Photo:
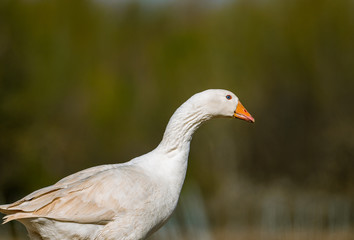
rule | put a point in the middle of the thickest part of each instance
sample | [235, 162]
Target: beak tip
[251, 120]
[243, 114]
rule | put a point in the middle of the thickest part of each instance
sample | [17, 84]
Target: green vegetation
[84, 83]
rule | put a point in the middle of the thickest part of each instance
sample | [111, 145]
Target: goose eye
[228, 97]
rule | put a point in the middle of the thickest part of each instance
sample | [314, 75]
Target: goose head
[212, 103]
[220, 103]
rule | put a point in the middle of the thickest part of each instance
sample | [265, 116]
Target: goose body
[127, 201]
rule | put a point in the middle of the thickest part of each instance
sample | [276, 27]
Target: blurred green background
[84, 83]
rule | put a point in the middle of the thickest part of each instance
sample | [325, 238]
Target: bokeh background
[84, 83]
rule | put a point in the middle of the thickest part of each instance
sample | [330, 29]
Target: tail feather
[3, 209]
[16, 216]
[25, 207]
[10, 213]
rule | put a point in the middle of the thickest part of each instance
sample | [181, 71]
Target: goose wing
[89, 196]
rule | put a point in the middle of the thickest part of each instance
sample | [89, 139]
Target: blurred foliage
[84, 83]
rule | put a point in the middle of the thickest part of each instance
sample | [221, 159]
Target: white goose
[124, 201]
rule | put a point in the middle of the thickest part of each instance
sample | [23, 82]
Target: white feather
[122, 201]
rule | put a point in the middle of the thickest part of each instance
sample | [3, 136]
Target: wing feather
[89, 196]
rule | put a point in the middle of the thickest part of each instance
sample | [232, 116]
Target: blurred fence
[279, 215]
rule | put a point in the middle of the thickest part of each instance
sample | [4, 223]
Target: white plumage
[124, 201]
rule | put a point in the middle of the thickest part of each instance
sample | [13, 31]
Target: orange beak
[243, 114]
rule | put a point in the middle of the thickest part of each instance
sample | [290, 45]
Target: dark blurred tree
[84, 83]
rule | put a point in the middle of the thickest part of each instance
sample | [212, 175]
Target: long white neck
[183, 123]
[170, 159]
[174, 147]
